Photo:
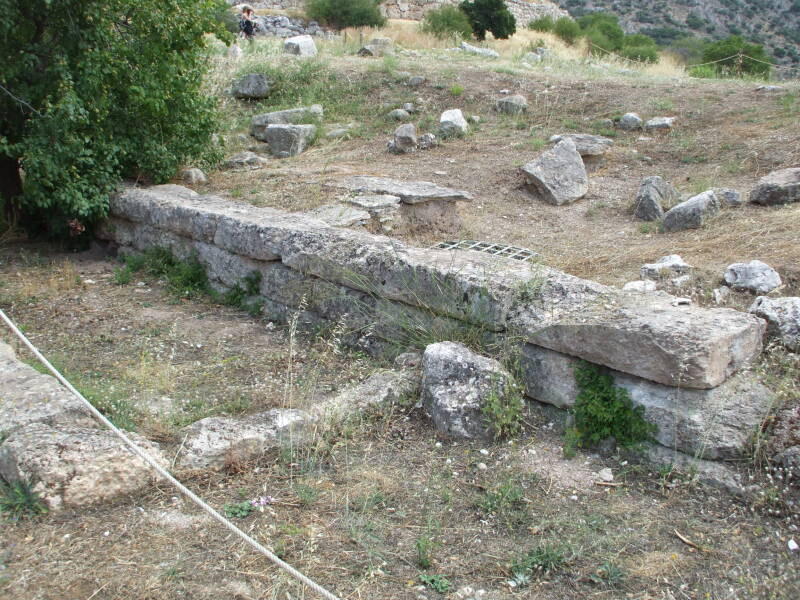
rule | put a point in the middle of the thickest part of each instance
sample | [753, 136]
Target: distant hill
[773, 23]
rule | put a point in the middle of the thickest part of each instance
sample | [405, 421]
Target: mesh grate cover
[489, 248]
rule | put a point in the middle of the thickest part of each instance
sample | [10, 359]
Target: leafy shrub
[545, 23]
[568, 30]
[346, 13]
[447, 21]
[602, 410]
[490, 15]
[702, 72]
[605, 24]
[102, 89]
[648, 54]
[238, 510]
[737, 57]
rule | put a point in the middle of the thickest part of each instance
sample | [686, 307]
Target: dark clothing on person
[247, 27]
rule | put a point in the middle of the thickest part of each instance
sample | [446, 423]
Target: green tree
[447, 21]
[568, 30]
[346, 13]
[736, 56]
[95, 90]
[490, 15]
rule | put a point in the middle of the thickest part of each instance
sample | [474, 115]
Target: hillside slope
[774, 23]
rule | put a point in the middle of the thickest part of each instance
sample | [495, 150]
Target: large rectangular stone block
[713, 424]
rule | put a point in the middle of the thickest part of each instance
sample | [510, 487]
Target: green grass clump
[438, 583]
[603, 410]
[540, 560]
[19, 501]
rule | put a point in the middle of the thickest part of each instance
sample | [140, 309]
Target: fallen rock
[716, 423]
[405, 140]
[453, 123]
[512, 105]
[659, 124]
[254, 86]
[339, 215]
[76, 467]
[193, 176]
[300, 45]
[216, 442]
[379, 389]
[259, 123]
[789, 459]
[416, 80]
[558, 175]
[654, 193]
[728, 197]
[428, 141]
[289, 140]
[783, 319]
[769, 88]
[585, 143]
[383, 209]
[665, 267]
[721, 294]
[779, 187]
[27, 396]
[410, 192]
[645, 285]
[246, 160]
[484, 52]
[754, 276]
[376, 47]
[456, 384]
[692, 213]
[399, 114]
[630, 121]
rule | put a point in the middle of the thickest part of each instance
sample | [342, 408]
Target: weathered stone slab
[288, 140]
[783, 319]
[478, 51]
[653, 195]
[692, 213]
[586, 144]
[213, 442]
[27, 396]
[755, 276]
[410, 192]
[717, 423]
[300, 45]
[340, 215]
[779, 187]
[456, 385]
[558, 175]
[291, 116]
[75, 467]
[253, 86]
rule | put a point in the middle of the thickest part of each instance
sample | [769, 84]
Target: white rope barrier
[163, 472]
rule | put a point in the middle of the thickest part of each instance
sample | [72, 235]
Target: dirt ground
[381, 507]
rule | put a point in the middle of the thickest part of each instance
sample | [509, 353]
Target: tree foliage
[96, 90]
[346, 13]
[490, 15]
[447, 21]
[736, 56]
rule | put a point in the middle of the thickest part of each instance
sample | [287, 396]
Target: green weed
[540, 560]
[424, 546]
[19, 501]
[502, 410]
[238, 510]
[456, 90]
[438, 583]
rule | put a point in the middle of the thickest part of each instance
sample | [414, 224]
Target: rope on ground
[163, 472]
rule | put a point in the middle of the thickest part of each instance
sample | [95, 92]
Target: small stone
[428, 141]
[682, 302]
[246, 160]
[253, 86]
[300, 45]
[482, 466]
[416, 81]
[783, 319]
[754, 276]
[721, 294]
[681, 281]
[606, 475]
[452, 123]
[640, 286]
[484, 52]
[405, 139]
[630, 121]
[399, 114]
[692, 213]
[793, 547]
[409, 107]
[654, 193]
[659, 124]
[512, 105]
[475, 120]
[779, 187]
[728, 197]
[194, 176]
[665, 266]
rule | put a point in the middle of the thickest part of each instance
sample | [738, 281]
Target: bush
[598, 42]
[703, 72]
[568, 30]
[646, 54]
[102, 89]
[737, 57]
[346, 13]
[447, 21]
[490, 15]
[544, 23]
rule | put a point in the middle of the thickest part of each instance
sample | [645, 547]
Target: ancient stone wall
[524, 10]
[682, 363]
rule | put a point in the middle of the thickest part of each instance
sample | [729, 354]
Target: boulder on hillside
[783, 319]
[654, 193]
[246, 160]
[512, 105]
[289, 140]
[300, 45]
[755, 276]
[692, 213]
[659, 124]
[259, 123]
[399, 114]
[779, 187]
[558, 175]
[665, 267]
[630, 121]
[452, 123]
[457, 384]
[405, 139]
[728, 197]
[193, 176]
[586, 144]
[416, 80]
[253, 86]
[76, 467]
